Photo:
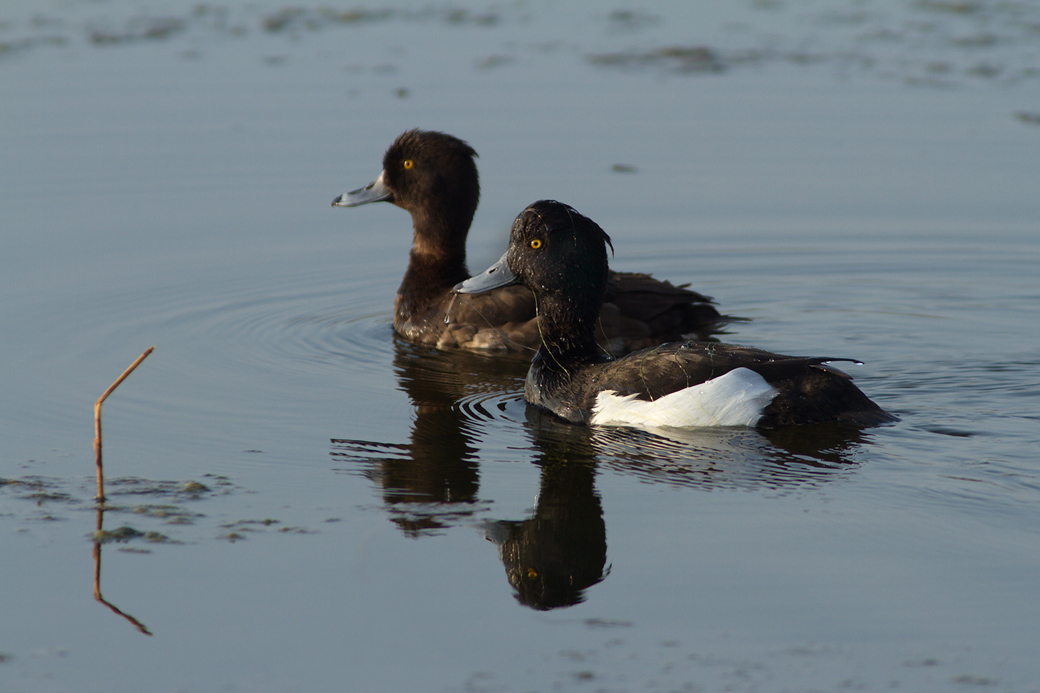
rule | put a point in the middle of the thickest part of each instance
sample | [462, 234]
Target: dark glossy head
[554, 251]
[424, 171]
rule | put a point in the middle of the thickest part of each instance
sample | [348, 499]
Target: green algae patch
[127, 533]
[119, 534]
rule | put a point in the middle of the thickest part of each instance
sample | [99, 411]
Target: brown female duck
[433, 176]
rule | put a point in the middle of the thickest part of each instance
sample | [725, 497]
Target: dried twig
[97, 422]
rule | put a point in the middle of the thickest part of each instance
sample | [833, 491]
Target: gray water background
[858, 179]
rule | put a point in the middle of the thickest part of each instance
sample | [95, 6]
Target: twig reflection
[97, 577]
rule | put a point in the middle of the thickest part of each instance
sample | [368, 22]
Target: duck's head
[423, 171]
[554, 251]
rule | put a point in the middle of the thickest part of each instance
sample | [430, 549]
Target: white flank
[734, 399]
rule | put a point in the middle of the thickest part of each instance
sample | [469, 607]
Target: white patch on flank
[734, 399]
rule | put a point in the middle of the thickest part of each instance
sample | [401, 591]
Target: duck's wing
[809, 390]
[651, 311]
[655, 372]
[504, 319]
[634, 288]
[500, 320]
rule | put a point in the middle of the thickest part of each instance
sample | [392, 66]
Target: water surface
[375, 516]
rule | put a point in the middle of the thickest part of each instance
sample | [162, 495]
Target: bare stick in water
[97, 422]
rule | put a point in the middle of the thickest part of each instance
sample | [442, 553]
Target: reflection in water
[554, 556]
[432, 481]
[716, 458]
[551, 558]
[97, 574]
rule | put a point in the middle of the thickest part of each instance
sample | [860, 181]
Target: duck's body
[561, 256]
[685, 384]
[433, 176]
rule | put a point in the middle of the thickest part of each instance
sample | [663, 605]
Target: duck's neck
[437, 260]
[568, 334]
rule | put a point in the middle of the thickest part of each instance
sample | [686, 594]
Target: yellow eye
[536, 244]
[408, 163]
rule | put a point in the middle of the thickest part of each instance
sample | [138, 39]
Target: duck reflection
[718, 458]
[553, 557]
[432, 481]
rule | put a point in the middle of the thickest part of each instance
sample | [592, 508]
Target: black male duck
[433, 176]
[561, 256]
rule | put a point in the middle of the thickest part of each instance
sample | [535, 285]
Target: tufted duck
[561, 256]
[432, 175]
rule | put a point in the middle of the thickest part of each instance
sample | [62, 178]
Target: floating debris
[297, 19]
[630, 20]
[170, 507]
[195, 487]
[129, 485]
[460, 16]
[120, 534]
[976, 39]
[171, 514]
[493, 61]
[139, 29]
[245, 523]
[680, 58]
[125, 534]
[948, 6]
[258, 526]
[41, 496]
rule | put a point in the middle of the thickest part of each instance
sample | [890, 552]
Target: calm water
[858, 180]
